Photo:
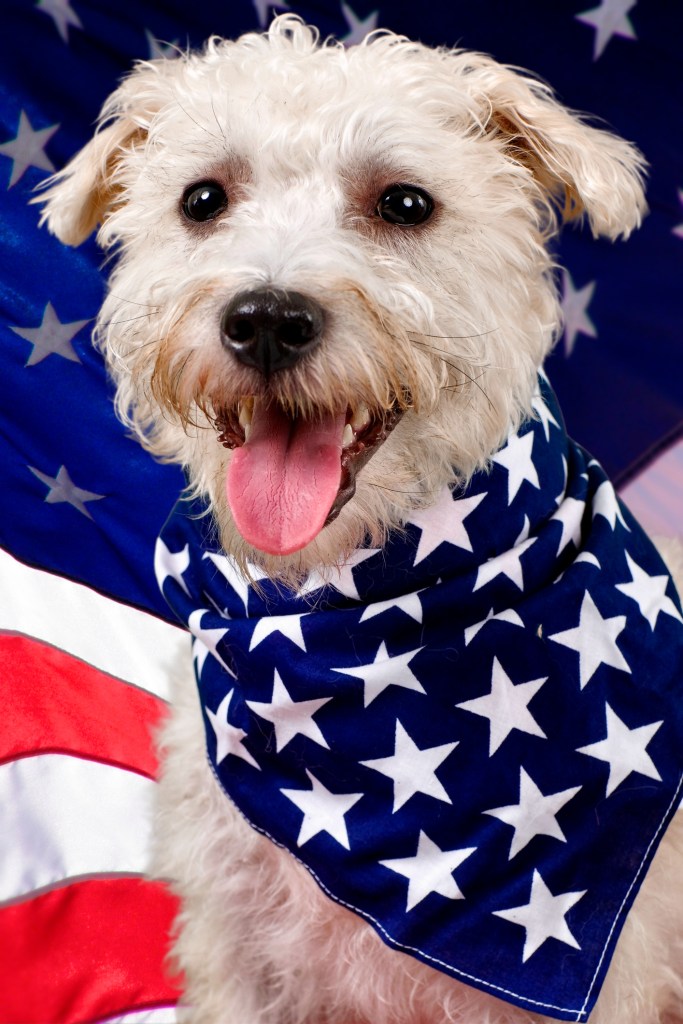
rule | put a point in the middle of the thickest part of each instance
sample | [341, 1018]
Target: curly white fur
[452, 319]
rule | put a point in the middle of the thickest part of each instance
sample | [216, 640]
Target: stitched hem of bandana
[490, 988]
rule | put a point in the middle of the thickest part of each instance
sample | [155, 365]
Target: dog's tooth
[246, 409]
[360, 418]
[247, 431]
[348, 437]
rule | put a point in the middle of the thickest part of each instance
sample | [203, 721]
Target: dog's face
[333, 291]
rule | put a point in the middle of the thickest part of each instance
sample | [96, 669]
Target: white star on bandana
[229, 739]
[444, 523]
[385, 671]
[606, 503]
[509, 564]
[323, 811]
[515, 457]
[624, 750]
[206, 640]
[413, 768]
[429, 871]
[287, 625]
[534, 815]
[649, 593]
[506, 706]
[543, 917]
[595, 640]
[171, 563]
[288, 717]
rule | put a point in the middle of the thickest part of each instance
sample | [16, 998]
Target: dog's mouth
[290, 474]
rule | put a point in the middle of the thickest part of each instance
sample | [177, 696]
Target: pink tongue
[282, 483]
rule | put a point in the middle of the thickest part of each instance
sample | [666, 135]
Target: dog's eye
[405, 205]
[204, 201]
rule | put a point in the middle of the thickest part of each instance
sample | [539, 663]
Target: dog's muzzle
[271, 329]
[292, 470]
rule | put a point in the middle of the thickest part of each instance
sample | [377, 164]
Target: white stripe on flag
[127, 643]
[161, 1015]
[67, 817]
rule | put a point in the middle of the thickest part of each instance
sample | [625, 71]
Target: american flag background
[85, 636]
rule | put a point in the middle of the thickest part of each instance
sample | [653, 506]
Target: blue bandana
[473, 738]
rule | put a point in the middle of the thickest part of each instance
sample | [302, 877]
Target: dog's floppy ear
[584, 170]
[77, 198]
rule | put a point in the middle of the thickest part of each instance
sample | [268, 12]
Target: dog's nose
[270, 328]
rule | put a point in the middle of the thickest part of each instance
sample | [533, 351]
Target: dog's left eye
[204, 201]
[405, 205]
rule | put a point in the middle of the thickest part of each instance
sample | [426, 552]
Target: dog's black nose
[270, 328]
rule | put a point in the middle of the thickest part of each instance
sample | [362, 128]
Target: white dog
[332, 298]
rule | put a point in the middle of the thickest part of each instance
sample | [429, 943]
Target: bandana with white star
[473, 738]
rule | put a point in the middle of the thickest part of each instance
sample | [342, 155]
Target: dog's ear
[582, 169]
[77, 198]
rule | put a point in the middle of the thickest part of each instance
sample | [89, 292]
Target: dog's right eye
[204, 201]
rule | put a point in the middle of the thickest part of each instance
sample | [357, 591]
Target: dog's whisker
[130, 319]
[451, 337]
[202, 127]
[397, 490]
[218, 123]
[443, 356]
[134, 302]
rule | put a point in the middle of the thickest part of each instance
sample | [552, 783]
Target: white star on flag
[444, 523]
[575, 303]
[229, 739]
[594, 640]
[429, 871]
[412, 768]
[507, 615]
[544, 414]
[206, 640]
[609, 19]
[508, 564]
[63, 489]
[62, 14]
[264, 8]
[534, 815]
[26, 149]
[543, 917]
[649, 593]
[171, 563]
[385, 671]
[506, 707]
[408, 603]
[606, 503]
[52, 337]
[288, 717]
[624, 750]
[287, 625]
[323, 811]
[678, 230]
[358, 27]
[515, 457]
[160, 50]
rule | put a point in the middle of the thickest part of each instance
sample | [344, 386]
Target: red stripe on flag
[84, 952]
[55, 703]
